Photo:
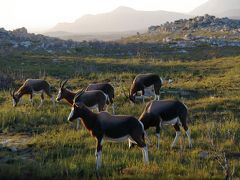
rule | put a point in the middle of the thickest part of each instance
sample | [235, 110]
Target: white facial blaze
[59, 94]
[71, 114]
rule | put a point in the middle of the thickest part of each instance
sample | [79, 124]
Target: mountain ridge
[121, 19]
[217, 7]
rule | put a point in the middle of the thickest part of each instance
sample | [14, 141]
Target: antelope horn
[60, 84]
[79, 93]
[12, 93]
[63, 84]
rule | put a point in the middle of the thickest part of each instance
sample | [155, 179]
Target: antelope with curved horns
[94, 99]
[107, 89]
[166, 112]
[104, 126]
[30, 86]
[143, 82]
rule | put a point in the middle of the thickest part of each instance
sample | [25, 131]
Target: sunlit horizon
[41, 15]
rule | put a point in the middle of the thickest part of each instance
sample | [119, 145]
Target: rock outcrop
[207, 22]
[20, 39]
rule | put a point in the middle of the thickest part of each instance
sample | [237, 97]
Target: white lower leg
[129, 143]
[158, 97]
[53, 101]
[145, 155]
[188, 132]
[132, 104]
[155, 97]
[106, 109]
[178, 133]
[158, 140]
[98, 159]
[40, 105]
[31, 101]
[146, 137]
[113, 108]
[78, 124]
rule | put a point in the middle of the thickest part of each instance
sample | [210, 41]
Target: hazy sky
[38, 15]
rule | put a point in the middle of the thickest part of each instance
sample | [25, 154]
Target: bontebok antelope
[107, 89]
[164, 112]
[104, 126]
[94, 99]
[30, 87]
[146, 82]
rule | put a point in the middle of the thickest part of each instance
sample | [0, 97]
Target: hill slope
[121, 19]
[227, 8]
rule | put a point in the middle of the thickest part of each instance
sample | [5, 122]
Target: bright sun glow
[39, 15]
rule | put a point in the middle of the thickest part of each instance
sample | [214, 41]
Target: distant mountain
[121, 19]
[221, 8]
[233, 13]
[107, 36]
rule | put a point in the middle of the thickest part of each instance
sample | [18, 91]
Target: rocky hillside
[207, 22]
[20, 39]
[193, 32]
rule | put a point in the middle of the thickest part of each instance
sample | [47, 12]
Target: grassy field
[158, 37]
[43, 145]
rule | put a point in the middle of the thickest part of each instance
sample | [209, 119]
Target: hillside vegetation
[51, 148]
[202, 29]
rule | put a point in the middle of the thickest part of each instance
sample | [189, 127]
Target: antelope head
[15, 98]
[75, 107]
[132, 97]
[61, 90]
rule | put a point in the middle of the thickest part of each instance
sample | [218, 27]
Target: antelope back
[92, 98]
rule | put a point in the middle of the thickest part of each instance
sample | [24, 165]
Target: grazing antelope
[104, 126]
[94, 99]
[107, 89]
[144, 82]
[166, 112]
[31, 86]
